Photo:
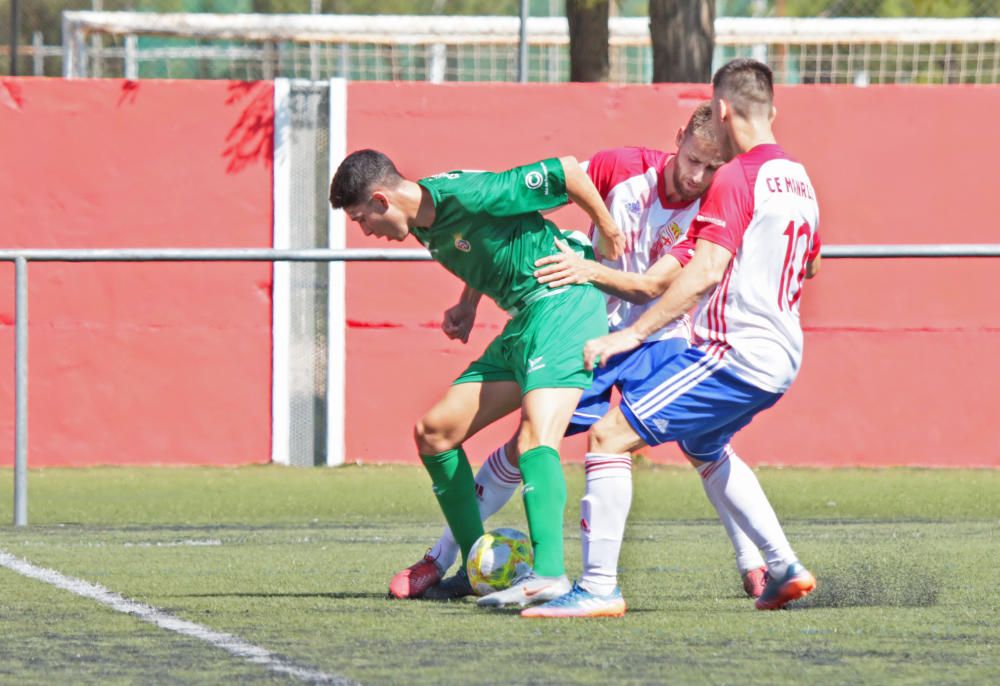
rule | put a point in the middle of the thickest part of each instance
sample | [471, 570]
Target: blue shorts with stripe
[694, 400]
[636, 365]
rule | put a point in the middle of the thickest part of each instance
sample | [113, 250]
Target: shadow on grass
[333, 596]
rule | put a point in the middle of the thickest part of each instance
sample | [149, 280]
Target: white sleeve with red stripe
[726, 210]
[608, 168]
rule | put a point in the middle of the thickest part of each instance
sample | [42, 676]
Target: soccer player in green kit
[487, 229]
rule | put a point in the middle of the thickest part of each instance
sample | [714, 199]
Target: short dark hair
[746, 84]
[358, 174]
[700, 122]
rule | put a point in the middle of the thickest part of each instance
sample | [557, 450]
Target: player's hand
[563, 269]
[610, 242]
[458, 321]
[598, 351]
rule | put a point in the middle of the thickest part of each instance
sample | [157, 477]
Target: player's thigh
[595, 401]
[545, 414]
[547, 357]
[463, 411]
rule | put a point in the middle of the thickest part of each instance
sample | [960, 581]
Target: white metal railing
[417, 29]
[21, 258]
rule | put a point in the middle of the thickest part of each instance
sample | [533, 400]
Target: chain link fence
[885, 59]
[859, 51]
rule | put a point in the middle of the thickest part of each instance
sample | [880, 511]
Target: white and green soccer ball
[497, 558]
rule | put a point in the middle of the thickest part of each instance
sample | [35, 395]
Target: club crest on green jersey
[462, 244]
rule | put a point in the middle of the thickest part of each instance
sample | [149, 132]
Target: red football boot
[413, 581]
[754, 582]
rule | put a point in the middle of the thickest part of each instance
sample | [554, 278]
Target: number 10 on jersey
[793, 272]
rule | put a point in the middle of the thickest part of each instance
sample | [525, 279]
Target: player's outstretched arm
[458, 319]
[581, 190]
[568, 267]
[702, 273]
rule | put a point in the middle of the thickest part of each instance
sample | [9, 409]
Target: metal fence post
[21, 392]
[38, 53]
[522, 44]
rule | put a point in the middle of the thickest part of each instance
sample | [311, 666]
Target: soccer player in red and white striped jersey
[753, 243]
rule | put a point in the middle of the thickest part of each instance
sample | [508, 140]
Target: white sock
[733, 485]
[747, 555]
[603, 512]
[496, 482]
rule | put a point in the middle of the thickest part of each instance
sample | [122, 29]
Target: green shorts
[542, 346]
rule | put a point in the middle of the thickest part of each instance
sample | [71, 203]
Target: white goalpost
[308, 299]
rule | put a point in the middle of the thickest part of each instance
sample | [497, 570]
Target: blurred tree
[588, 39]
[683, 38]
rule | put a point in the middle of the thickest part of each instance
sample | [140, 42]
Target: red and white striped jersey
[633, 184]
[762, 208]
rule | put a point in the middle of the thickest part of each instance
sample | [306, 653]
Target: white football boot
[528, 590]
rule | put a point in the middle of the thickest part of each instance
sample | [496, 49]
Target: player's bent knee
[433, 437]
[613, 434]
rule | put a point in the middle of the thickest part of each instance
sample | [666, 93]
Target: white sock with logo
[747, 555]
[603, 512]
[732, 485]
[496, 482]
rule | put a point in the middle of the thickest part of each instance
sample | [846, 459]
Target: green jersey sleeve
[522, 190]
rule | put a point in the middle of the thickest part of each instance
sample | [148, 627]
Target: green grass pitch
[297, 561]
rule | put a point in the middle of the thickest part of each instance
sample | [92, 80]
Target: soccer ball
[497, 558]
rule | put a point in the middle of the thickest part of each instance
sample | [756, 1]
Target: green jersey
[488, 230]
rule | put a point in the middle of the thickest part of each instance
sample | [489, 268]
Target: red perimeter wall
[138, 363]
[170, 363]
[898, 366]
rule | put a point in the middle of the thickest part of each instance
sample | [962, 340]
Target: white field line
[128, 544]
[228, 642]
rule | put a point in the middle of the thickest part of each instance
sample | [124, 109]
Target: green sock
[544, 502]
[455, 489]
